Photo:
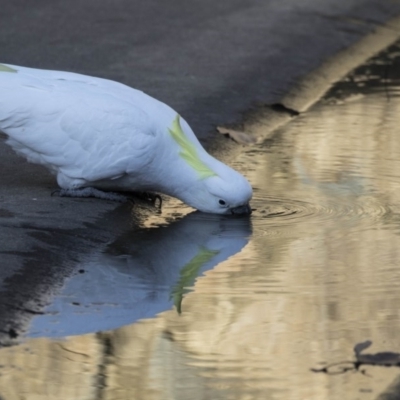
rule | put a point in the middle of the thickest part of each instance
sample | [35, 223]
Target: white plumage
[92, 132]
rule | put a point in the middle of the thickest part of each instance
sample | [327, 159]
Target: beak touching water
[241, 210]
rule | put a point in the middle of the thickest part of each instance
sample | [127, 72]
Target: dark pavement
[209, 60]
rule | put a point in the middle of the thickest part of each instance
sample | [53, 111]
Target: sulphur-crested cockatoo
[98, 135]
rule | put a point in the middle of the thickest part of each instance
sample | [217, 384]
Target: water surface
[191, 306]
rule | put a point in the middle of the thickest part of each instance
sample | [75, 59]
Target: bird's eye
[222, 202]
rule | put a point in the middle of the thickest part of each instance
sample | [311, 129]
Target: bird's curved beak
[240, 210]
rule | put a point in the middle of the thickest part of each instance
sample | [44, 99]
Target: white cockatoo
[98, 135]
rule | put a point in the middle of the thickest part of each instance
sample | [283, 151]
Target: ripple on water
[272, 211]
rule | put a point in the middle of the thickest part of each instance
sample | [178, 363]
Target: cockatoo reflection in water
[98, 135]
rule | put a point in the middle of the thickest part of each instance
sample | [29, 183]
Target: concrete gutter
[260, 123]
[211, 61]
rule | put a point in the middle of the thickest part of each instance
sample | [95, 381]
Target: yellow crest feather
[188, 150]
[4, 68]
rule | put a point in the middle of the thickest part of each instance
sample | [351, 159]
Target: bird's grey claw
[159, 198]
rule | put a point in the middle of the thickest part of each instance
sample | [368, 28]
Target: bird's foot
[91, 192]
[153, 198]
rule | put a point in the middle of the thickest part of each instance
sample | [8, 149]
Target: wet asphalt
[209, 60]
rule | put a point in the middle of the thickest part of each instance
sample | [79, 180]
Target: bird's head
[207, 184]
[227, 192]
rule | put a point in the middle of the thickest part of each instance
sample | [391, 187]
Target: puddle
[195, 306]
[144, 272]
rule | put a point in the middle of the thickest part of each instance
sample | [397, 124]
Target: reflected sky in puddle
[313, 273]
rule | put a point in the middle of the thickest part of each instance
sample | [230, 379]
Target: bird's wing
[112, 139]
[84, 127]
